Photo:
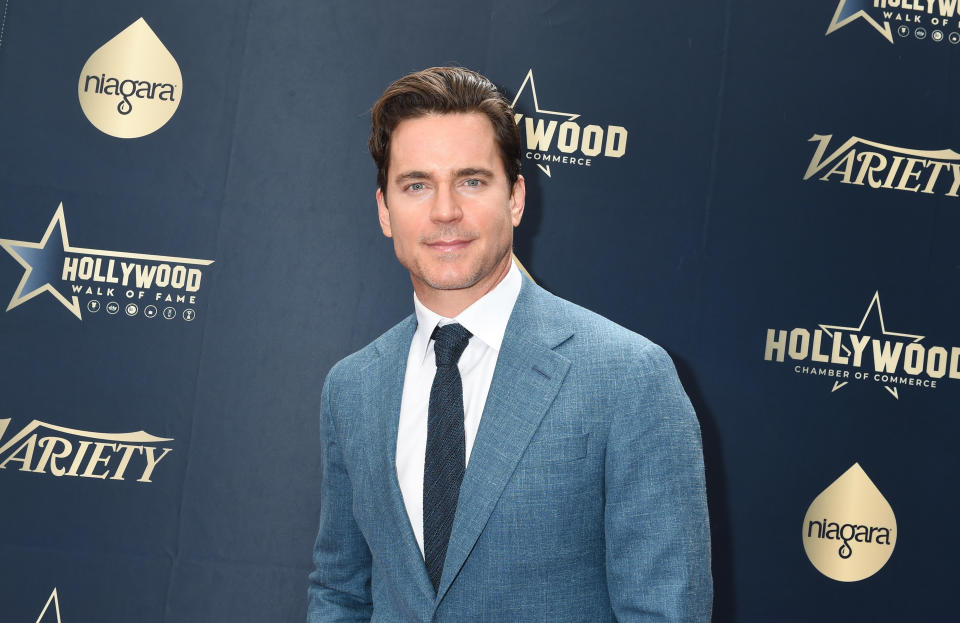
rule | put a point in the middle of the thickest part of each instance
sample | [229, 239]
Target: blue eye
[416, 186]
[473, 182]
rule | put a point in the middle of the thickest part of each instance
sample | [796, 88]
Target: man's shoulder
[394, 338]
[612, 361]
[596, 337]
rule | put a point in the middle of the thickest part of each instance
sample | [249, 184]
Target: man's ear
[384, 214]
[518, 196]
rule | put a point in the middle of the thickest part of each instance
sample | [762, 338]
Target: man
[500, 455]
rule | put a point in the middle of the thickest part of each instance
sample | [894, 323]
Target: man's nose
[446, 206]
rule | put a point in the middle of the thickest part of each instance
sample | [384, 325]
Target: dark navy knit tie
[445, 457]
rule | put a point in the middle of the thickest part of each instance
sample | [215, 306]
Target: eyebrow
[473, 172]
[423, 175]
[413, 175]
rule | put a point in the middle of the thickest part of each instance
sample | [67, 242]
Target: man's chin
[447, 279]
[451, 283]
[457, 277]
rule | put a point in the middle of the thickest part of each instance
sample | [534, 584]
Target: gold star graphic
[874, 303]
[845, 15]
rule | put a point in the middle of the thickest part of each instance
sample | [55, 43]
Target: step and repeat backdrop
[189, 242]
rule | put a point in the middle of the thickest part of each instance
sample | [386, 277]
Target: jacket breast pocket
[554, 468]
[557, 449]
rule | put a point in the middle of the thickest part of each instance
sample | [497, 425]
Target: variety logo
[866, 163]
[864, 353]
[132, 85]
[96, 279]
[552, 137]
[849, 531]
[936, 20]
[42, 448]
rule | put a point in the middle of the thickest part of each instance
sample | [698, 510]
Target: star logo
[44, 265]
[874, 304]
[42, 262]
[851, 10]
[528, 80]
[53, 599]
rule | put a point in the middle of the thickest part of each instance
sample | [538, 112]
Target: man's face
[448, 206]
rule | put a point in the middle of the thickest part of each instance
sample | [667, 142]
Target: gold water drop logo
[849, 531]
[132, 85]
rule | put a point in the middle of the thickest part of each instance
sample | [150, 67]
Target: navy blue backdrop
[172, 474]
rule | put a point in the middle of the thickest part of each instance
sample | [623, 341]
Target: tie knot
[451, 340]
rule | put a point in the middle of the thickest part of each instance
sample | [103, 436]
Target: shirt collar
[486, 318]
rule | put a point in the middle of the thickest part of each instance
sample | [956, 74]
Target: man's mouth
[448, 245]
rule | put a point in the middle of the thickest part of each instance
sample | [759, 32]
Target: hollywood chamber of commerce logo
[865, 352]
[860, 162]
[131, 85]
[935, 20]
[58, 451]
[98, 280]
[552, 137]
[849, 531]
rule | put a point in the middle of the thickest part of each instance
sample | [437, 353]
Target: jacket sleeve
[340, 582]
[655, 517]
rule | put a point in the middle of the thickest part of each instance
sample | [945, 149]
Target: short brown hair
[443, 90]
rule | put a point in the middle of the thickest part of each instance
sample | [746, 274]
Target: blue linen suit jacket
[583, 499]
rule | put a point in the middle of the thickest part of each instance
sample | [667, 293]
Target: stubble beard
[476, 275]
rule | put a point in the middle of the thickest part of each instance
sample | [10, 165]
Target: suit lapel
[527, 378]
[382, 381]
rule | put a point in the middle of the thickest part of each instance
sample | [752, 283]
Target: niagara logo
[914, 19]
[133, 66]
[862, 520]
[552, 137]
[140, 89]
[847, 532]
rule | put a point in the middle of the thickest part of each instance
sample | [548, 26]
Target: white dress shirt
[487, 320]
